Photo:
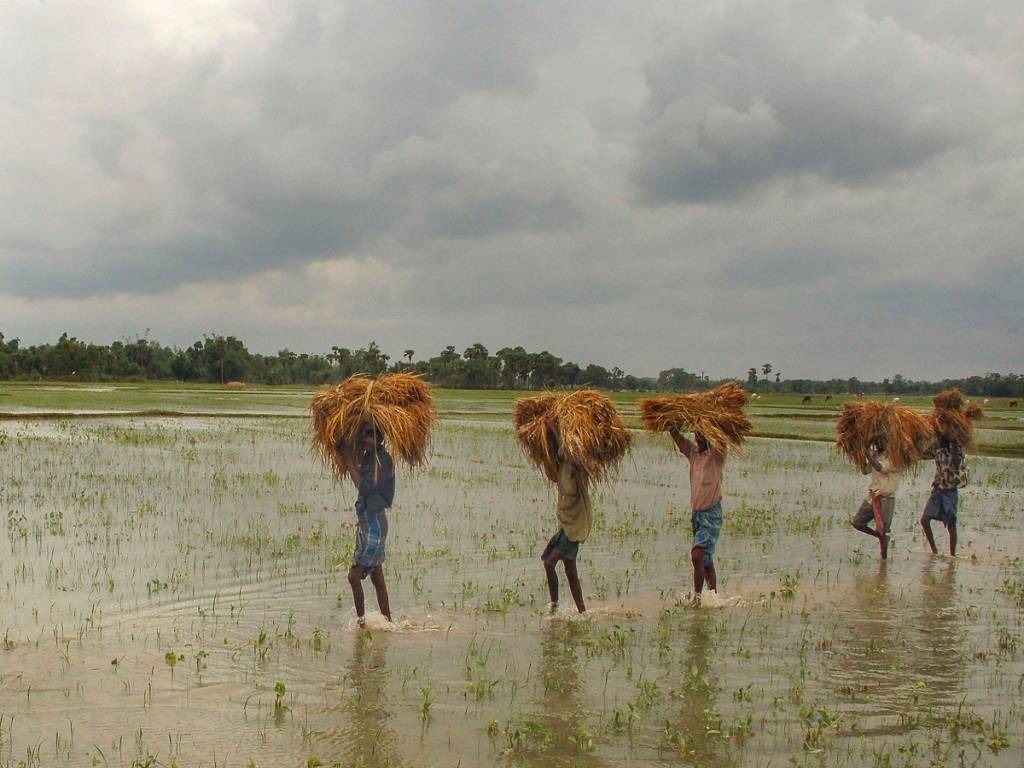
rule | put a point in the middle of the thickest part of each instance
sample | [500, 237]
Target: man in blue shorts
[373, 473]
[574, 518]
[707, 465]
[950, 474]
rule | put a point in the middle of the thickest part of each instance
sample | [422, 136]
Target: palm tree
[409, 353]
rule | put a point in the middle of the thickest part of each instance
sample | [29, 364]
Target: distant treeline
[225, 358]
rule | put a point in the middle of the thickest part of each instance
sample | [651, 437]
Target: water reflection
[899, 649]
[559, 733]
[697, 733]
[939, 636]
[369, 740]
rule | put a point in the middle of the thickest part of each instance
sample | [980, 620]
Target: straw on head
[952, 416]
[949, 398]
[717, 414]
[592, 434]
[530, 417]
[901, 431]
[398, 405]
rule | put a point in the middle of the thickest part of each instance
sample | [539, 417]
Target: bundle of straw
[398, 405]
[952, 416]
[904, 433]
[530, 419]
[717, 414]
[592, 433]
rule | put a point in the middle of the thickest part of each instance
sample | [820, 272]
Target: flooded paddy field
[173, 592]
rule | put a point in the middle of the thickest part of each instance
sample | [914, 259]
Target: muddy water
[160, 577]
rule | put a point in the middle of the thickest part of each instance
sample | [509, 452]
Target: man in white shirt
[881, 501]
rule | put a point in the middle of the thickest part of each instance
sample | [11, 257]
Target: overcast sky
[832, 187]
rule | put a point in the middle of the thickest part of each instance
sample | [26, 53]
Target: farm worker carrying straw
[707, 465]
[575, 439]
[954, 432]
[880, 503]
[884, 439]
[351, 422]
[373, 474]
[717, 420]
[572, 511]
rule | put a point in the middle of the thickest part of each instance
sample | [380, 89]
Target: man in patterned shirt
[950, 474]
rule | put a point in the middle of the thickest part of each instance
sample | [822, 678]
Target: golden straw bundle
[717, 414]
[952, 416]
[904, 432]
[592, 433]
[530, 420]
[399, 405]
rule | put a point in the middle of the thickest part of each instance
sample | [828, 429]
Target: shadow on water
[899, 655]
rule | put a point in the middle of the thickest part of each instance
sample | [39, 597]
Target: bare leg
[883, 539]
[549, 571]
[574, 584]
[883, 542]
[710, 578]
[356, 582]
[951, 527]
[866, 529]
[927, 525]
[697, 556]
[377, 577]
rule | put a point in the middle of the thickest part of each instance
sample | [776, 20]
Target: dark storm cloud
[291, 141]
[775, 91]
[694, 183]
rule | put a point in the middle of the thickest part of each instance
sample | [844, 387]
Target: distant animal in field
[1013, 403]
[828, 398]
[895, 399]
[807, 399]
[985, 401]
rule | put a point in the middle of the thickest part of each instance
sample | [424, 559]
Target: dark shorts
[567, 550]
[866, 513]
[941, 506]
[707, 525]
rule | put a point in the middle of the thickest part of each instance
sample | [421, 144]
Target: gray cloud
[296, 132]
[770, 92]
[694, 184]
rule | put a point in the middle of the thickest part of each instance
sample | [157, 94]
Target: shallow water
[162, 576]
